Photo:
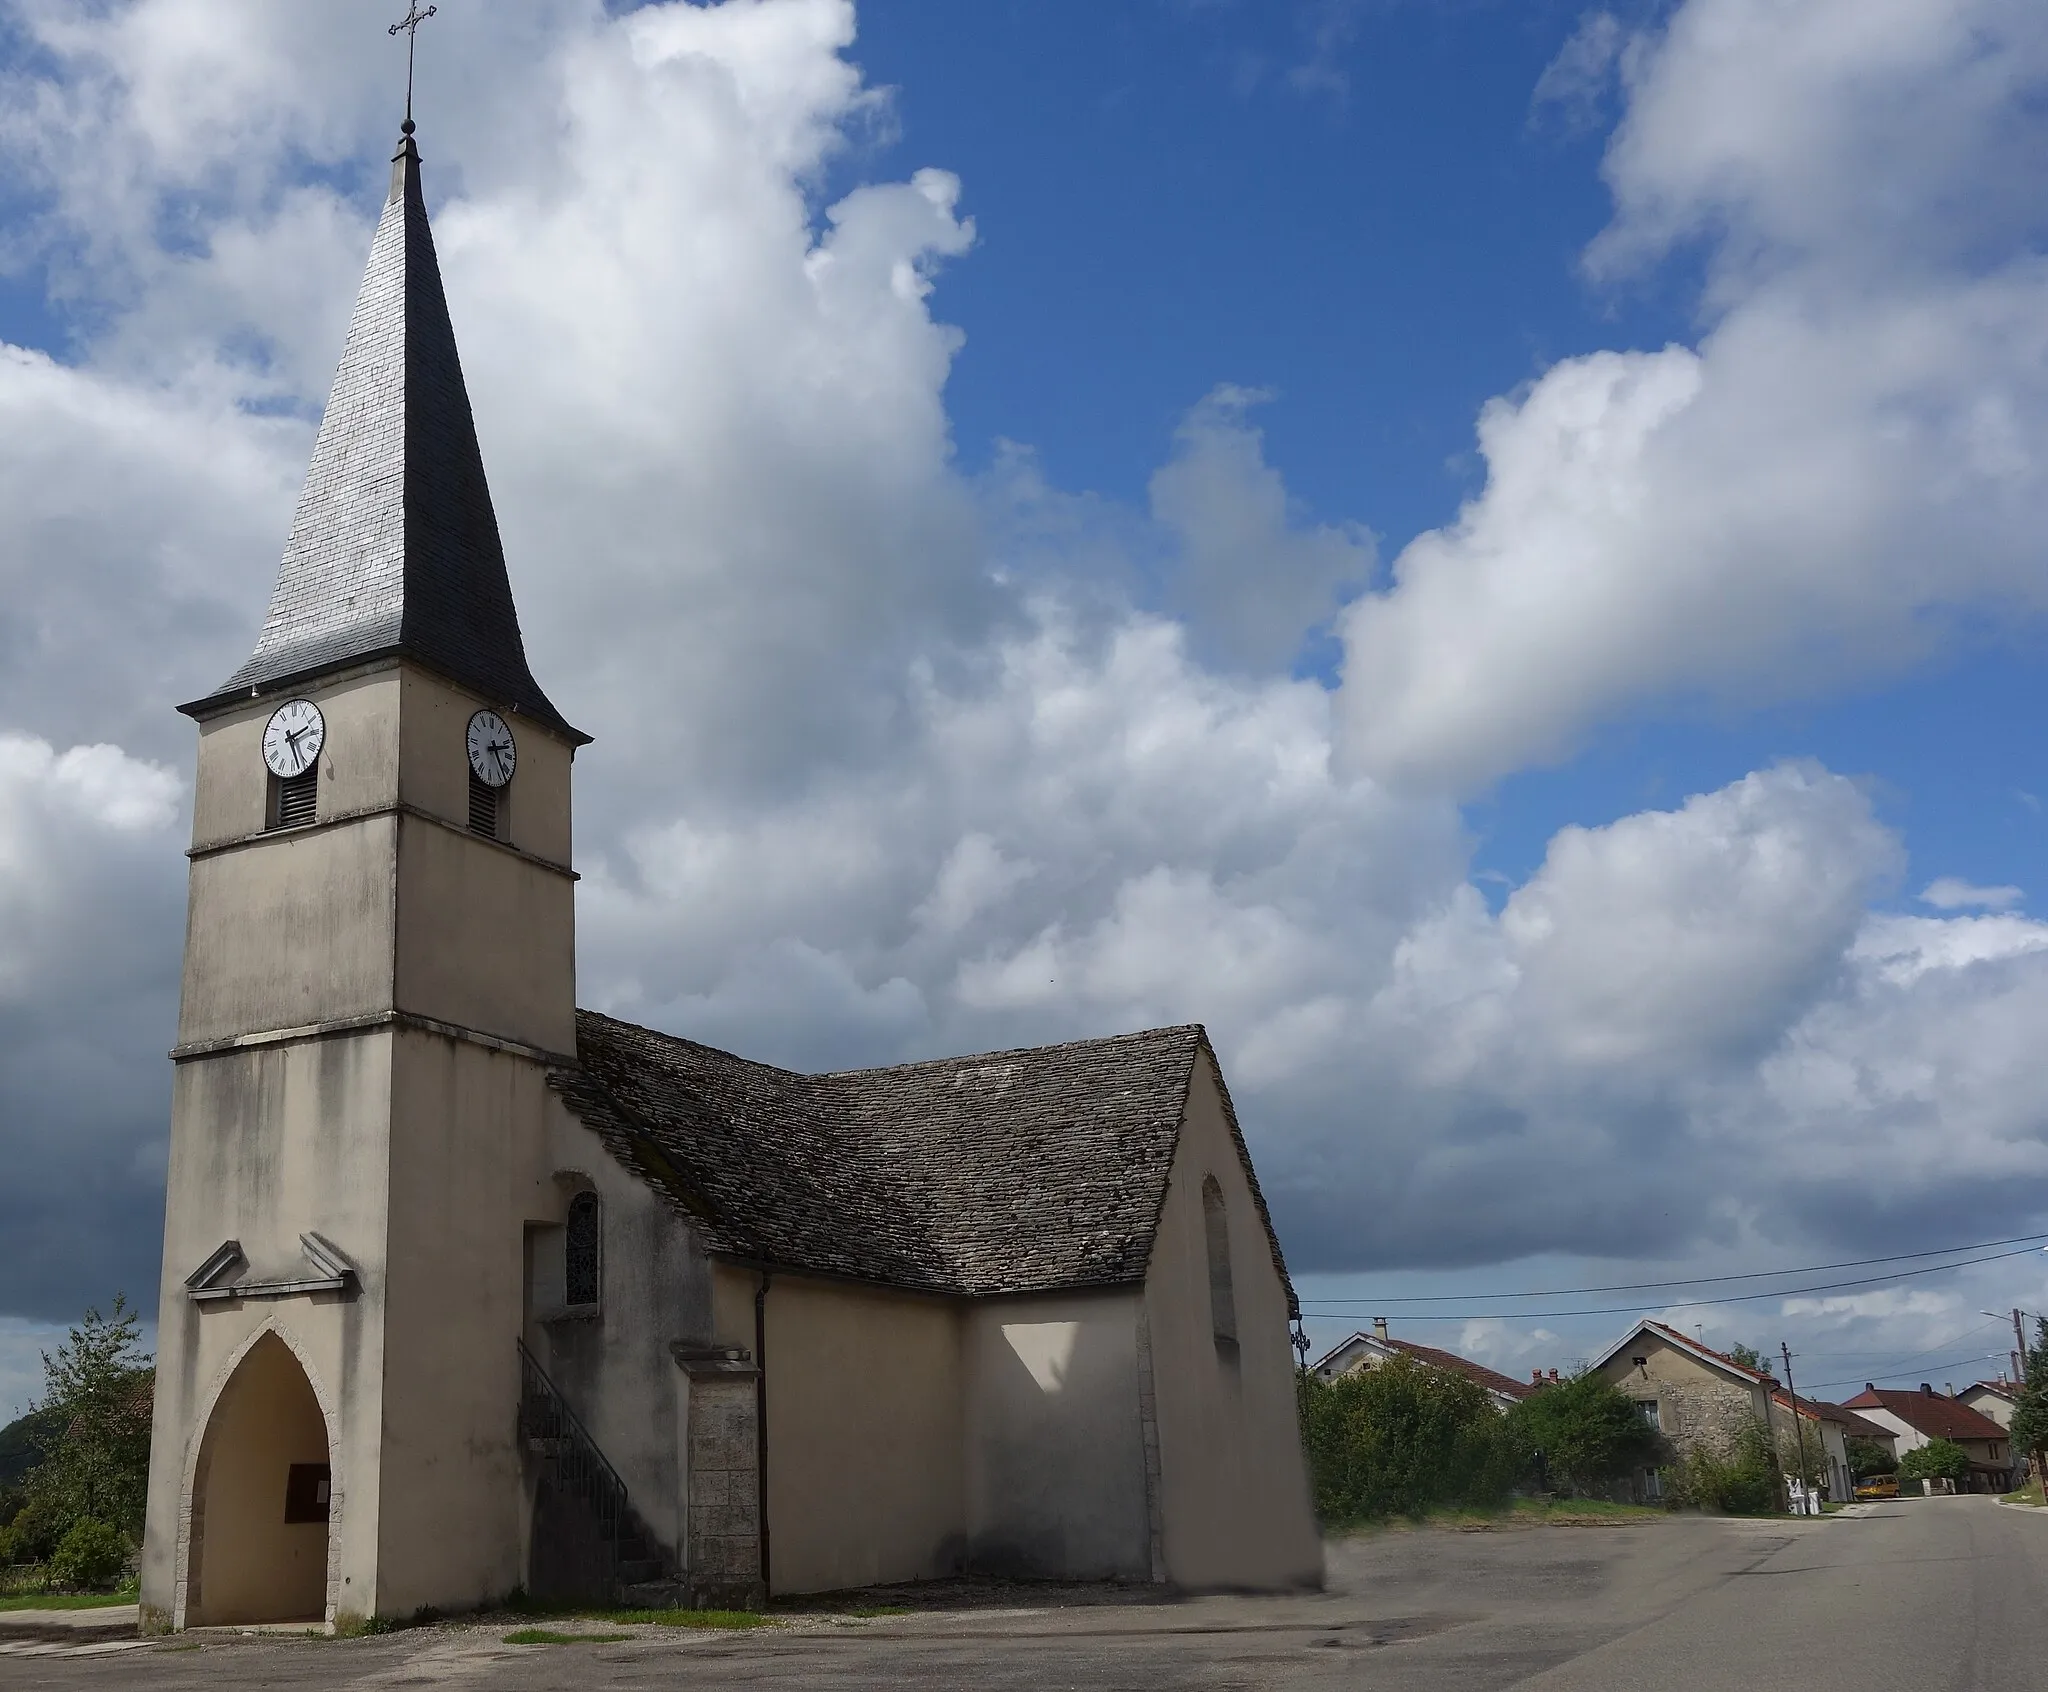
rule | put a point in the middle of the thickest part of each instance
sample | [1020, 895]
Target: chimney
[1926, 1390]
[1379, 1326]
[1553, 1374]
[1868, 1387]
[1535, 1377]
[1949, 1387]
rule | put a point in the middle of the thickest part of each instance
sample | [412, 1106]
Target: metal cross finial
[410, 23]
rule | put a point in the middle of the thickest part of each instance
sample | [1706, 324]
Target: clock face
[491, 752]
[293, 737]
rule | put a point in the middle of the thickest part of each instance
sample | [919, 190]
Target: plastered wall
[266, 1144]
[1055, 1441]
[1234, 1498]
[865, 1455]
[613, 1364]
[468, 1140]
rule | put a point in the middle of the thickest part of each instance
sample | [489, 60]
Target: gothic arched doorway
[261, 1498]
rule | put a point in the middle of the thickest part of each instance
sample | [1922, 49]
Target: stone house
[1694, 1396]
[468, 1289]
[1370, 1350]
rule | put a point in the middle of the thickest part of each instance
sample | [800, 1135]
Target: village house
[1845, 1425]
[1369, 1351]
[466, 1289]
[1993, 1400]
[1917, 1418]
[1694, 1396]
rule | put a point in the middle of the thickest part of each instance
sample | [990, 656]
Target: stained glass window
[581, 1247]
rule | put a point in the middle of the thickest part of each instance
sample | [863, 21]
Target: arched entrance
[261, 1498]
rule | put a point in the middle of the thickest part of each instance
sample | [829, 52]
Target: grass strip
[548, 1636]
[67, 1601]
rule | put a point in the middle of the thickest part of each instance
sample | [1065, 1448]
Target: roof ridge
[1099, 1040]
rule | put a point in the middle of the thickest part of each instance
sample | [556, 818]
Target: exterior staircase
[615, 1556]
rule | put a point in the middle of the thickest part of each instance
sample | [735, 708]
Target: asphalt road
[1947, 1594]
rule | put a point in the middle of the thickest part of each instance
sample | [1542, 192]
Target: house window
[1222, 1296]
[1652, 1416]
[580, 1250]
[308, 1490]
[295, 800]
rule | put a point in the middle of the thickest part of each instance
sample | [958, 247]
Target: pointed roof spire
[394, 549]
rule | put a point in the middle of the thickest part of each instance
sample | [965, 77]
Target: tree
[1589, 1431]
[98, 1389]
[1871, 1457]
[2030, 1415]
[1403, 1439]
[1749, 1357]
[1805, 1459]
[1938, 1459]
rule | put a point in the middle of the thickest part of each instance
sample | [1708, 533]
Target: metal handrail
[586, 1469]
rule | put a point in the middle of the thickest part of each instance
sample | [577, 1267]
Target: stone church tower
[379, 970]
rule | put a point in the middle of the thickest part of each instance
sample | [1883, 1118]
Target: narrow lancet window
[581, 1250]
[1222, 1295]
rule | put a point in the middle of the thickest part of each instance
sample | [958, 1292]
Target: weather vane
[410, 23]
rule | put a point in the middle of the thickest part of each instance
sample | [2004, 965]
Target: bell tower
[379, 971]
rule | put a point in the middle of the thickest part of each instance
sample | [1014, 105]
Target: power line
[1694, 1281]
[1929, 1368]
[1730, 1298]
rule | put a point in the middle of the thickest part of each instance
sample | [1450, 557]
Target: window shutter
[483, 808]
[297, 800]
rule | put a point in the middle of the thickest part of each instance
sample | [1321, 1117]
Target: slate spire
[394, 548]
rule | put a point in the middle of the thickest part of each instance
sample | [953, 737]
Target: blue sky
[1549, 875]
[1363, 210]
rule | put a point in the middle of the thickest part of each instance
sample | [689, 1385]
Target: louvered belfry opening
[484, 801]
[295, 800]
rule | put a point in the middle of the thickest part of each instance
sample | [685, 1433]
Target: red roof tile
[1490, 1379]
[1930, 1413]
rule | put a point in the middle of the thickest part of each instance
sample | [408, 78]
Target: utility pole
[1778, 1492]
[1798, 1427]
[2019, 1339]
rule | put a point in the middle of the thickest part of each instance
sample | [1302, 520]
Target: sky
[1486, 550]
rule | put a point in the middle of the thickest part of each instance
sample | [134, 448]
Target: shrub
[92, 1555]
[1401, 1440]
[1938, 1459]
[1744, 1483]
[1589, 1431]
[1868, 1457]
[35, 1533]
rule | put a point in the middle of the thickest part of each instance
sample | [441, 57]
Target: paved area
[1949, 1593]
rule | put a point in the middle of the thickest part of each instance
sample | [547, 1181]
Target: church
[468, 1291]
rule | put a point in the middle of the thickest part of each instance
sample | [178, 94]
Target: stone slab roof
[394, 548]
[1036, 1170]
